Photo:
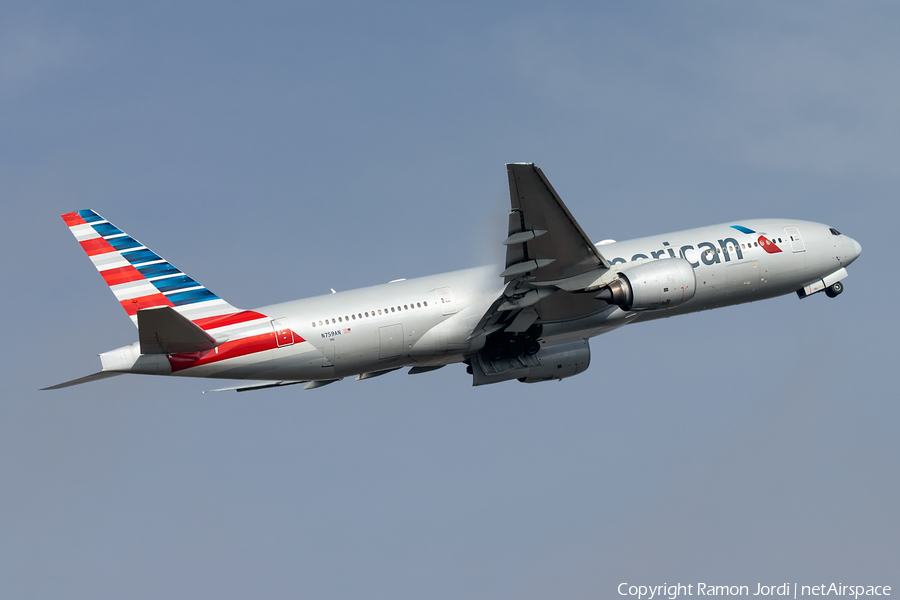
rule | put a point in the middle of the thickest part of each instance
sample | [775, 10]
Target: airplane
[531, 321]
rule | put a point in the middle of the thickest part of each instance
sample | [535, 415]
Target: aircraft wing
[549, 258]
[545, 241]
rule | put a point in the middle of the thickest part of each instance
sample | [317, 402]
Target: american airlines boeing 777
[530, 321]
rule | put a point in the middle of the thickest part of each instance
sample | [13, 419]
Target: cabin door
[283, 334]
[445, 298]
[796, 241]
[391, 341]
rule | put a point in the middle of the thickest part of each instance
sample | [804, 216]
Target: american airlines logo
[709, 252]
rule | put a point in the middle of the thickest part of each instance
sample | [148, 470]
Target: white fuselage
[428, 321]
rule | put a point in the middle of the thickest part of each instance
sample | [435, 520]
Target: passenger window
[320, 322]
[367, 313]
[314, 323]
[425, 303]
[354, 317]
[340, 320]
[392, 309]
[405, 307]
[360, 315]
[379, 311]
[419, 304]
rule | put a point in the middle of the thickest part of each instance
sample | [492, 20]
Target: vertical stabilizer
[137, 276]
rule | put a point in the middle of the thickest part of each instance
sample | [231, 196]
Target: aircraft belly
[446, 337]
[819, 260]
[297, 362]
[742, 278]
[789, 273]
[361, 343]
[299, 367]
[391, 345]
[358, 362]
[369, 349]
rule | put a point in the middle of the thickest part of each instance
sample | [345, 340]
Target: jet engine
[554, 362]
[649, 286]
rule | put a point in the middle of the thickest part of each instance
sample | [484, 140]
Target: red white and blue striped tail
[139, 277]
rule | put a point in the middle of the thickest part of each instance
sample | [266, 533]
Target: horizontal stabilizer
[163, 330]
[94, 377]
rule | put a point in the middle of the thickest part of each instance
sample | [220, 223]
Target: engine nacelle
[650, 286]
[555, 362]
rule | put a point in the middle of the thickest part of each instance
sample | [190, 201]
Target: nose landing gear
[834, 289]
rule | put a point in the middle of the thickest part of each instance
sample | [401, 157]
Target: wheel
[496, 353]
[532, 347]
[834, 289]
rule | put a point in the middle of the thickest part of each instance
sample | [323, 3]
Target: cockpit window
[834, 231]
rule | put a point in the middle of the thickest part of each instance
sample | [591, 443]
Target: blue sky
[276, 150]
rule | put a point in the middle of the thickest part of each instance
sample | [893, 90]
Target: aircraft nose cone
[854, 251]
